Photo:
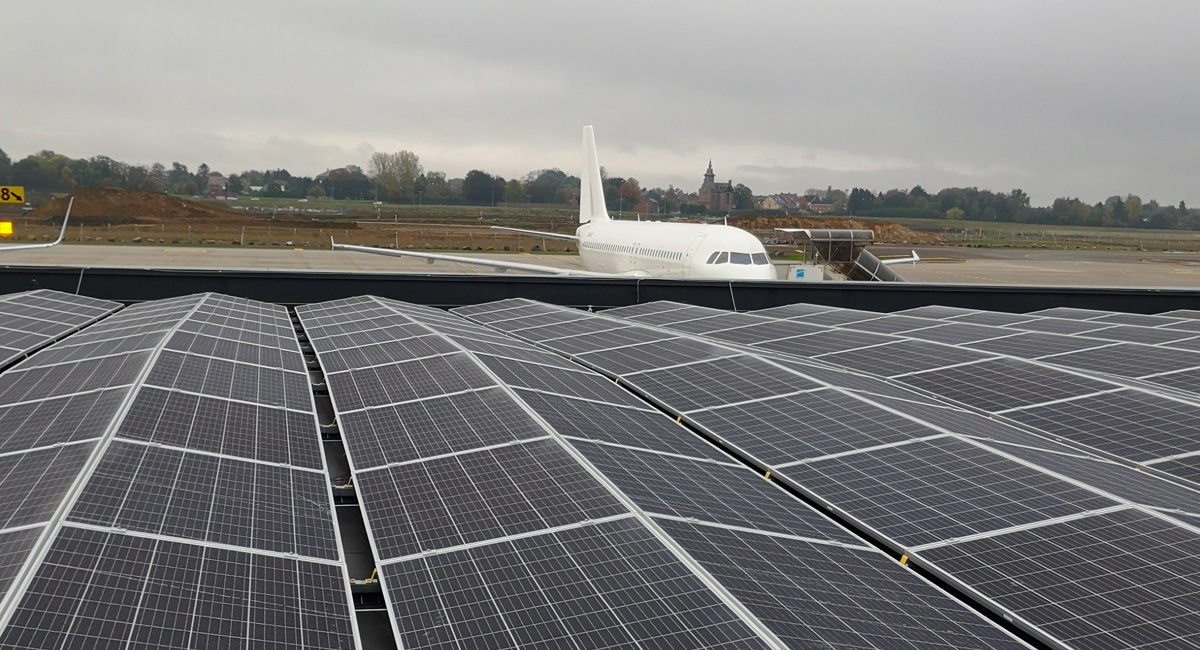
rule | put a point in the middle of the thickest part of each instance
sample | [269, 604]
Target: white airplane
[631, 248]
[62, 233]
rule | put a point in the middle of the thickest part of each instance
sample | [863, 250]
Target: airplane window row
[634, 250]
[724, 257]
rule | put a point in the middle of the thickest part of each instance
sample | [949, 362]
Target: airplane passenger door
[691, 252]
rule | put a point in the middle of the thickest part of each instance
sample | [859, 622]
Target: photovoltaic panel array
[190, 513]
[1072, 388]
[32, 319]
[947, 488]
[551, 527]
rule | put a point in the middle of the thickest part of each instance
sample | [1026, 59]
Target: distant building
[785, 203]
[646, 206]
[717, 197]
[216, 185]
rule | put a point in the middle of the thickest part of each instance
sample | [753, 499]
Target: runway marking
[185, 250]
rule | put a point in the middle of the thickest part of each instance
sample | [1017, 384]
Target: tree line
[399, 177]
[973, 204]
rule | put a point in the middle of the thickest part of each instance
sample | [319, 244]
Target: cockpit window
[712, 258]
[760, 258]
[739, 258]
[722, 258]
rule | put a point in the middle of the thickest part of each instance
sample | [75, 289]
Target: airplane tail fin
[591, 194]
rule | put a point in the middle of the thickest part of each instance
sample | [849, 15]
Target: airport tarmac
[941, 264]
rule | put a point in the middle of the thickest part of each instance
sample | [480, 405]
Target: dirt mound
[885, 231]
[96, 204]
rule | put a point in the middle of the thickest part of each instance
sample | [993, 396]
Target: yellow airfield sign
[5, 228]
[12, 194]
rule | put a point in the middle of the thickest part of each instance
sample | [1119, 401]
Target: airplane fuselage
[672, 250]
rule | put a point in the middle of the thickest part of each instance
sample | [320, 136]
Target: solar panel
[1137, 334]
[204, 498]
[628, 426]
[837, 317]
[794, 310]
[713, 383]
[33, 319]
[1074, 313]
[1032, 345]
[107, 589]
[1123, 480]
[645, 356]
[477, 496]
[936, 311]
[1138, 319]
[674, 315]
[1128, 360]
[995, 318]
[890, 324]
[1057, 326]
[1131, 578]
[604, 585]
[767, 331]
[1184, 326]
[901, 357]
[707, 491]
[792, 427]
[821, 595]
[433, 427]
[1000, 384]
[928, 487]
[190, 493]
[931, 490]
[955, 333]
[577, 382]
[1137, 426]
[468, 538]
[811, 345]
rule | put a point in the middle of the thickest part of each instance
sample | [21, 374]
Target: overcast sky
[1085, 98]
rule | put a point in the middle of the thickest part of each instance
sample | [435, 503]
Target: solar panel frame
[999, 384]
[942, 488]
[1091, 607]
[441, 601]
[822, 595]
[1135, 425]
[715, 492]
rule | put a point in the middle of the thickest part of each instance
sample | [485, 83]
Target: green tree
[954, 214]
[315, 191]
[860, 201]
[479, 187]
[631, 192]
[396, 171]
[5, 167]
[514, 192]
[202, 178]
[743, 198]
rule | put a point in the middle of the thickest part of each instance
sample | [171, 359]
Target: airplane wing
[538, 233]
[914, 258]
[499, 265]
[62, 233]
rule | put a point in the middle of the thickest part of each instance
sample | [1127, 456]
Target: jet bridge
[844, 253]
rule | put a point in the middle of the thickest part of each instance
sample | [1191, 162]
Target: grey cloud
[1059, 98]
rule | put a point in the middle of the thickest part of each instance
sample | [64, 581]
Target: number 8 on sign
[12, 195]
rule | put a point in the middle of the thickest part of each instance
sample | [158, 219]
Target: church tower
[709, 176]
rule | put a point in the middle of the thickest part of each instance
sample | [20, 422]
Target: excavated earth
[885, 232]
